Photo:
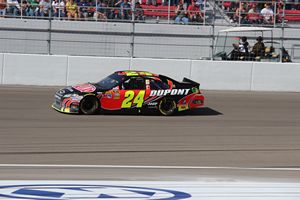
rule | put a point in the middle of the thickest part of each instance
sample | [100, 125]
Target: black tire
[167, 106]
[89, 105]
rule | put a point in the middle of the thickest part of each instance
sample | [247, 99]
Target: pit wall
[50, 70]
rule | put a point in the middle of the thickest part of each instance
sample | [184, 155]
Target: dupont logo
[90, 192]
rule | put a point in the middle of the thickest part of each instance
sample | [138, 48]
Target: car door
[133, 93]
[129, 94]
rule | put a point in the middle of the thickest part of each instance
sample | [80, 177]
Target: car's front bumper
[66, 105]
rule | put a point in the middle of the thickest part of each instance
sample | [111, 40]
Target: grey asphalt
[235, 129]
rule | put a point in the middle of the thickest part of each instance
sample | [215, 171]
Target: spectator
[253, 8]
[44, 8]
[235, 53]
[253, 16]
[186, 3]
[182, 15]
[201, 4]
[139, 12]
[83, 7]
[258, 49]
[13, 7]
[71, 8]
[34, 5]
[241, 13]
[244, 47]
[27, 9]
[268, 14]
[59, 8]
[2, 8]
[101, 11]
[232, 10]
[194, 12]
[125, 10]
[151, 2]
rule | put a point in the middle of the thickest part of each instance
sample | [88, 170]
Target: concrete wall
[212, 75]
[34, 69]
[176, 69]
[222, 75]
[167, 41]
[276, 77]
[92, 69]
[1, 67]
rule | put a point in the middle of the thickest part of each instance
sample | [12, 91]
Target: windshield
[111, 81]
[224, 44]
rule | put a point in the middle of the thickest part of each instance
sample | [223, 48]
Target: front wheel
[167, 106]
[89, 105]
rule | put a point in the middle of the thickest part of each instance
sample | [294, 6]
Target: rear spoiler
[191, 82]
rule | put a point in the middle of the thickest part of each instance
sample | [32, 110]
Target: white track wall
[1, 67]
[34, 69]
[51, 70]
[92, 69]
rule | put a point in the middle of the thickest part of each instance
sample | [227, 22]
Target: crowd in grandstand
[182, 11]
[249, 12]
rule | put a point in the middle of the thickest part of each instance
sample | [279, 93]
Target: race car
[135, 90]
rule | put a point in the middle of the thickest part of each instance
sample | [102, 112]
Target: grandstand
[138, 28]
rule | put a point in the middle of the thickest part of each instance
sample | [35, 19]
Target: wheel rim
[89, 105]
[167, 106]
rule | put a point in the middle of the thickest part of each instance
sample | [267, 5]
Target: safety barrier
[52, 70]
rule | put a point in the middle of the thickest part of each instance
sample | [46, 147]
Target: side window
[134, 83]
[158, 85]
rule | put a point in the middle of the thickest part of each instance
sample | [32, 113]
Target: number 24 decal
[129, 96]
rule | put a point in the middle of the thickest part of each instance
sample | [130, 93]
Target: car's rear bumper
[192, 101]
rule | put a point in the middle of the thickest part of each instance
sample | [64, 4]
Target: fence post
[282, 30]
[275, 13]
[213, 31]
[50, 28]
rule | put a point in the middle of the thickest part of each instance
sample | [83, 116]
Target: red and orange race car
[136, 90]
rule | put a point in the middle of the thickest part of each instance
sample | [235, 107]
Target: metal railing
[205, 12]
[211, 14]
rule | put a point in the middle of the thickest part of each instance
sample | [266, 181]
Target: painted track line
[153, 167]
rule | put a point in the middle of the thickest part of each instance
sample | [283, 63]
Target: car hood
[80, 89]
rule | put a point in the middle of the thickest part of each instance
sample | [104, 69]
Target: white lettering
[181, 91]
[153, 93]
[160, 93]
[171, 92]
[187, 91]
[174, 92]
[167, 92]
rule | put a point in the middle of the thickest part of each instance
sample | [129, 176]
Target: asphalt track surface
[243, 130]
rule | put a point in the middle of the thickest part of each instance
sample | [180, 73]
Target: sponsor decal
[116, 94]
[83, 191]
[108, 94]
[152, 104]
[195, 90]
[70, 89]
[132, 99]
[57, 96]
[136, 73]
[169, 92]
[85, 87]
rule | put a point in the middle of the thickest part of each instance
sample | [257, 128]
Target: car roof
[136, 73]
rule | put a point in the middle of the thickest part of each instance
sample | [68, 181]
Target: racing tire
[89, 105]
[167, 106]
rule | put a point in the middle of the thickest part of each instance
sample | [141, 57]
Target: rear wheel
[89, 105]
[167, 106]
